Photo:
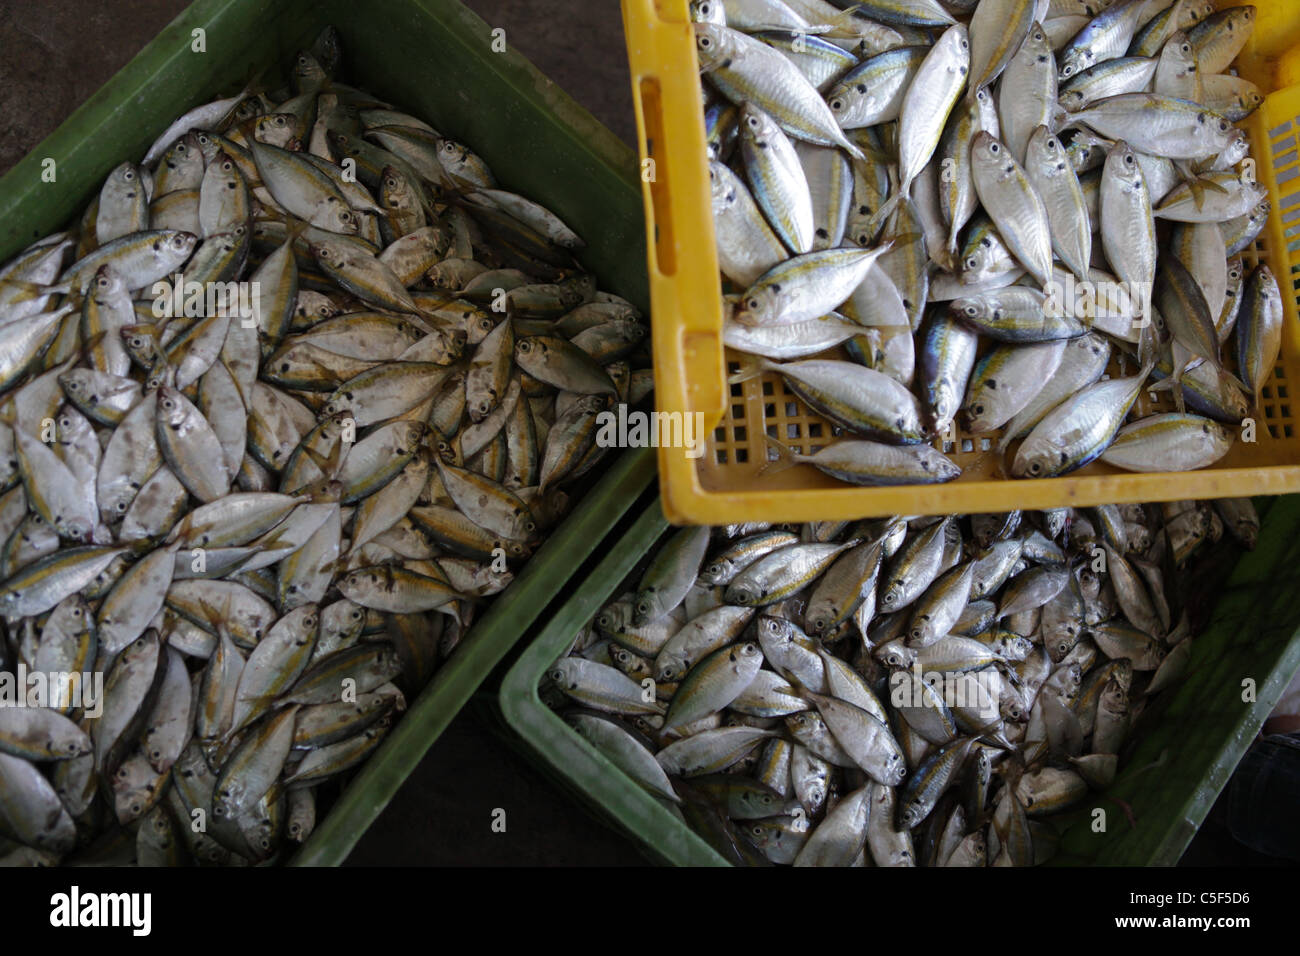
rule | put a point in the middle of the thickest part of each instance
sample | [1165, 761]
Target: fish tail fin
[1238, 382]
[751, 366]
[844, 23]
[787, 457]
[851, 148]
[886, 210]
[294, 227]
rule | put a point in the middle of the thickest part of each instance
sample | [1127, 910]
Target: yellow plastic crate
[691, 365]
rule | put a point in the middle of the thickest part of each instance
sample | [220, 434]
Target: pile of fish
[897, 691]
[987, 214]
[263, 522]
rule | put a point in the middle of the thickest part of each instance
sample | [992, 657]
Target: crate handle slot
[674, 187]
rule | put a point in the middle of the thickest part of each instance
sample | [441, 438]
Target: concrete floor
[55, 54]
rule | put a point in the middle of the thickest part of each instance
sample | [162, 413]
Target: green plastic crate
[434, 59]
[1203, 727]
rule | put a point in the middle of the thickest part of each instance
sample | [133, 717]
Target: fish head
[277, 129]
[532, 348]
[802, 724]
[722, 186]
[757, 126]
[129, 802]
[774, 631]
[1178, 55]
[478, 325]
[1037, 458]
[841, 98]
[338, 217]
[1123, 167]
[955, 44]
[670, 667]
[74, 528]
[1216, 132]
[895, 654]
[973, 308]
[909, 815]
[1045, 154]
[172, 407]
[936, 463]
[892, 596]
[106, 284]
[306, 68]
[185, 151]
[819, 617]
[561, 673]
[716, 571]
[125, 176]
[175, 243]
[714, 45]
[614, 617]
[708, 11]
[761, 302]
[1076, 60]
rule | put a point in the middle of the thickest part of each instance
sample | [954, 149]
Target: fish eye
[705, 43]
[972, 311]
[525, 346]
[965, 44]
[978, 409]
[972, 263]
[1035, 468]
[754, 304]
[994, 148]
[837, 104]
